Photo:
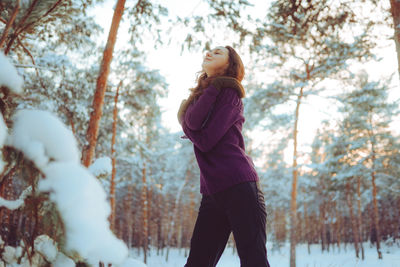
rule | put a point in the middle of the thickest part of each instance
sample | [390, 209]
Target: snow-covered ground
[334, 258]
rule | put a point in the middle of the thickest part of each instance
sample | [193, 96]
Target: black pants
[239, 209]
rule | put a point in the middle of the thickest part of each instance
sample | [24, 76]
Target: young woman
[212, 118]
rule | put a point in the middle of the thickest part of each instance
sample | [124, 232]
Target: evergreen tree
[369, 115]
[306, 40]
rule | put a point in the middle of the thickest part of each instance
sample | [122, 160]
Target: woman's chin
[206, 70]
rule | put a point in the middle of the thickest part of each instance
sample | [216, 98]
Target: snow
[46, 247]
[42, 137]
[15, 204]
[335, 258]
[11, 204]
[79, 196]
[9, 76]
[129, 262]
[83, 205]
[63, 261]
[101, 166]
[9, 254]
[3, 136]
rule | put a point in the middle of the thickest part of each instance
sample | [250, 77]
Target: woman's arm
[218, 124]
[198, 111]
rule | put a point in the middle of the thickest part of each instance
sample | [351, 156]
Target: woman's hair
[235, 69]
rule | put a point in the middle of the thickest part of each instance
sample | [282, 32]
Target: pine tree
[98, 100]
[395, 11]
[369, 115]
[306, 40]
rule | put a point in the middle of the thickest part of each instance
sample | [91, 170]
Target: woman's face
[216, 61]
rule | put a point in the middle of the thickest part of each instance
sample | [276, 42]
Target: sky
[180, 68]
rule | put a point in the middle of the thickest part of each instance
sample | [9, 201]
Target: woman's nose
[208, 54]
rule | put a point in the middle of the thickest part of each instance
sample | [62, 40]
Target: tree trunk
[339, 227]
[397, 218]
[175, 213]
[376, 215]
[192, 206]
[352, 219]
[145, 210]
[395, 10]
[359, 218]
[9, 25]
[98, 99]
[374, 191]
[306, 231]
[323, 225]
[149, 203]
[113, 158]
[330, 232]
[128, 215]
[293, 204]
[159, 223]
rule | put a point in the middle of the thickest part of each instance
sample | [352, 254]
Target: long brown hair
[235, 69]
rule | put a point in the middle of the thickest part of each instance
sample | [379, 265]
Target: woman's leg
[245, 208]
[210, 235]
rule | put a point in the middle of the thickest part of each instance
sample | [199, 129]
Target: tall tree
[98, 100]
[113, 157]
[395, 11]
[306, 40]
[369, 115]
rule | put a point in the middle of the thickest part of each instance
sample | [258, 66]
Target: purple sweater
[218, 144]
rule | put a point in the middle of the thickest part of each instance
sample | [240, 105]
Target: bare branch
[34, 66]
[33, 61]
[17, 32]
[9, 24]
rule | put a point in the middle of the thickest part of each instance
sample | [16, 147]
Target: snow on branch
[79, 196]
[84, 209]
[9, 76]
[3, 137]
[16, 204]
[42, 137]
[101, 166]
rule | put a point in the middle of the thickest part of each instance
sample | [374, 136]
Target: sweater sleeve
[197, 112]
[217, 126]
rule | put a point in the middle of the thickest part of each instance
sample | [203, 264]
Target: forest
[91, 174]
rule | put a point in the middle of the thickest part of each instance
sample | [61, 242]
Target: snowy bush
[78, 195]
[83, 205]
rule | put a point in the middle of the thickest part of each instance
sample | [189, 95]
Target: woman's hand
[181, 111]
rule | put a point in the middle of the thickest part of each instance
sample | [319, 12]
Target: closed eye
[217, 51]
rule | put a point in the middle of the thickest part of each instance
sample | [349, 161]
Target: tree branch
[17, 32]
[9, 23]
[33, 66]
[51, 9]
[27, 51]
[33, 61]
[47, 13]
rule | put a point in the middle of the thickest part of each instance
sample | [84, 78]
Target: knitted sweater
[214, 125]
